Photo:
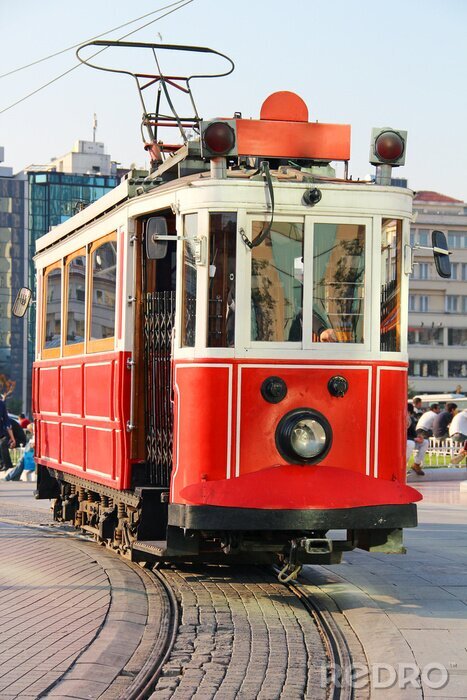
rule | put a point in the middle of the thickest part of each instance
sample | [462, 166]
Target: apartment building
[438, 307]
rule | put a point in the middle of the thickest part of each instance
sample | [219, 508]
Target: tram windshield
[338, 282]
[276, 287]
[391, 257]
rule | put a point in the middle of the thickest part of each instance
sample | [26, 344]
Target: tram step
[156, 547]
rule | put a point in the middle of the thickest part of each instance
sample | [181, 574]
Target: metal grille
[159, 315]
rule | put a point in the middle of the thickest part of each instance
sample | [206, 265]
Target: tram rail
[340, 660]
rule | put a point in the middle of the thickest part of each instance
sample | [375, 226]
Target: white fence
[442, 450]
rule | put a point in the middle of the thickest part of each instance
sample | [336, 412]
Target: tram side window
[76, 299]
[391, 260]
[277, 283]
[189, 281]
[221, 309]
[103, 290]
[53, 310]
[339, 281]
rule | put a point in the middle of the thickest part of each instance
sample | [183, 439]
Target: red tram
[221, 360]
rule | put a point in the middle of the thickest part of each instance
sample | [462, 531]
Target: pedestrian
[18, 439]
[458, 427]
[417, 406]
[26, 463]
[6, 435]
[424, 425]
[442, 421]
[24, 421]
[415, 442]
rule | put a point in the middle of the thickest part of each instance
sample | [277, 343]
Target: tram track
[209, 615]
[243, 634]
[339, 672]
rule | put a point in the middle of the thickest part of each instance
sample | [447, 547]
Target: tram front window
[189, 280]
[277, 283]
[338, 282]
[391, 258]
[222, 263]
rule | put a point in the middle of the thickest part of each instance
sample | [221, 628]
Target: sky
[369, 64]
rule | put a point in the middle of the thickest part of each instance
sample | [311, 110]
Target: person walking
[442, 421]
[6, 437]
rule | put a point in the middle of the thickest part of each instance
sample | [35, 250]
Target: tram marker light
[388, 147]
[218, 138]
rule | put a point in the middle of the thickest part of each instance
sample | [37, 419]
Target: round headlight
[308, 438]
[303, 436]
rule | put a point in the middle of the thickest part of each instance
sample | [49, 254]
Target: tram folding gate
[159, 313]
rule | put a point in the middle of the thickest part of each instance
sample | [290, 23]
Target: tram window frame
[367, 225]
[278, 220]
[99, 344]
[51, 352]
[391, 264]
[190, 240]
[74, 348]
[222, 278]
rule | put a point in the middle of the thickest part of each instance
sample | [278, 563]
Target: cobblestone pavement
[242, 636]
[76, 621]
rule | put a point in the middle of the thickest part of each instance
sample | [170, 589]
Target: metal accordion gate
[159, 314]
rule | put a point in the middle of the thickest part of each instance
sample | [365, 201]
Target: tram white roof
[386, 200]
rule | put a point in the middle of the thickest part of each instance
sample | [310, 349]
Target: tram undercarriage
[142, 526]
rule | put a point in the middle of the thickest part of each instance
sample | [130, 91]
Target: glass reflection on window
[222, 261]
[53, 313]
[189, 281]
[104, 277]
[277, 283]
[338, 282]
[391, 246]
[76, 282]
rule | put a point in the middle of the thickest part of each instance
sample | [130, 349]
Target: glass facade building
[13, 270]
[53, 197]
[30, 204]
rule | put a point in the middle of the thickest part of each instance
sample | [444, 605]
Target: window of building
[190, 276]
[457, 239]
[412, 236]
[457, 368]
[391, 247]
[103, 271]
[222, 271]
[426, 368]
[75, 286]
[423, 236]
[52, 328]
[412, 299]
[423, 303]
[457, 336]
[425, 335]
[423, 269]
[464, 272]
[454, 271]
[452, 303]
[277, 283]
[464, 304]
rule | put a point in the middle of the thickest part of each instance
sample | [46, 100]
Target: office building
[437, 306]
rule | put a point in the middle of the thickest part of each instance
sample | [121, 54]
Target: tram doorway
[158, 310]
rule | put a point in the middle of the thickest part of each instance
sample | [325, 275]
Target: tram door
[159, 279]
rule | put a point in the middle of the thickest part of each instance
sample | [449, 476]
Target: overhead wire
[70, 70]
[75, 46]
